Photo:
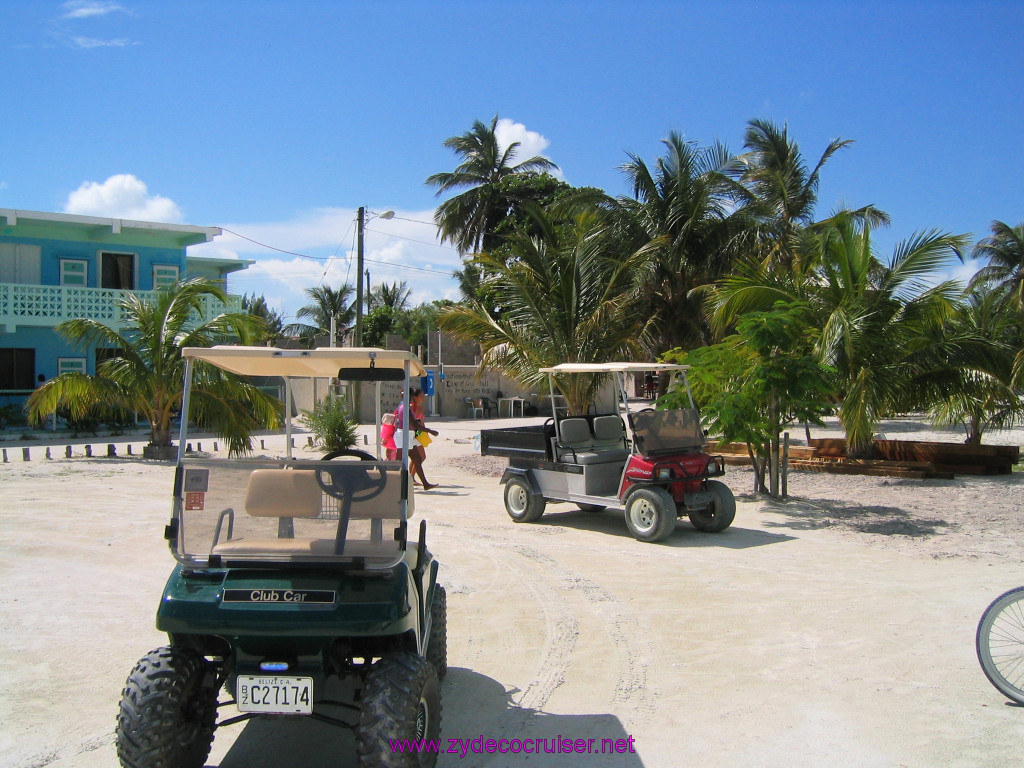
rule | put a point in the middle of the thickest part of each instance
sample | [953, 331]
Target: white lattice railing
[49, 305]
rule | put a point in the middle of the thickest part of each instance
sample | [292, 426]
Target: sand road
[836, 629]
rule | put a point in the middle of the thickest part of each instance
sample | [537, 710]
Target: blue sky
[276, 120]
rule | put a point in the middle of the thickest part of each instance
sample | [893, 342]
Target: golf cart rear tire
[168, 711]
[401, 700]
[437, 645]
[523, 504]
[722, 511]
[650, 514]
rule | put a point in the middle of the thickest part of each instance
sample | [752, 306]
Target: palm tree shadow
[477, 709]
[864, 518]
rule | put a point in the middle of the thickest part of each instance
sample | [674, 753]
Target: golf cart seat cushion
[296, 493]
[384, 550]
[283, 493]
[573, 438]
[606, 456]
[574, 431]
[609, 432]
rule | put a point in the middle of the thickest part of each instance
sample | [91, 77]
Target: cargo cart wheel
[720, 514]
[401, 701]
[650, 514]
[168, 710]
[523, 504]
[437, 645]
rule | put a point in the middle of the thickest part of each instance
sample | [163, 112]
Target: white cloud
[93, 42]
[531, 143]
[322, 249]
[84, 9]
[124, 197]
[89, 13]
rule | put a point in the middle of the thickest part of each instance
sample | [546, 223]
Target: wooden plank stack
[896, 458]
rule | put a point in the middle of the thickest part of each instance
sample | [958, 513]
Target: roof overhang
[224, 266]
[67, 226]
[321, 363]
[613, 367]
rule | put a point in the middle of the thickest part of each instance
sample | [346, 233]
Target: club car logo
[304, 596]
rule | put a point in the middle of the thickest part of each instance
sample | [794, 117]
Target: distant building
[55, 267]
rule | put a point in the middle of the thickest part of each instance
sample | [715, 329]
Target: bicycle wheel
[1000, 644]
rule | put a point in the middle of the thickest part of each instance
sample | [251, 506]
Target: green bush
[332, 428]
[11, 415]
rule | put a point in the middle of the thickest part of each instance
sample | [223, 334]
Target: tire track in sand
[557, 589]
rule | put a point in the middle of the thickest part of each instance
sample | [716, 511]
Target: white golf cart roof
[613, 367]
[322, 362]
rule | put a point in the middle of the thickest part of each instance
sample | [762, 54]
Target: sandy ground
[836, 628]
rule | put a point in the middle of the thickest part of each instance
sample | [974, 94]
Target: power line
[274, 248]
[413, 240]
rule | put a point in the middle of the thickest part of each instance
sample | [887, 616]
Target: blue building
[55, 266]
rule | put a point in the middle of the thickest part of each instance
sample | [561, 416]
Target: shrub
[332, 428]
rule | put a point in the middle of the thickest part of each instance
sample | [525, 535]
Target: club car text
[307, 596]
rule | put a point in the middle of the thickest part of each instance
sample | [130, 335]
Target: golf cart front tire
[523, 504]
[650, 514]
[437, 644]
[168, 711]
[720, 514]
[401, 700]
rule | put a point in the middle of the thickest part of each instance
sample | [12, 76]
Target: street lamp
[357, 337]
[361, 221]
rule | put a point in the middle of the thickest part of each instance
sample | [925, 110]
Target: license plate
[275, 695]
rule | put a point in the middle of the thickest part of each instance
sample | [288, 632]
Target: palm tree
[1004, 249]
[783, 192]
[679, 215]
[327, 303]
[147, 376]
[972, 366]
[396, 296]
[873, 323]
[563, 296]
[469, 219]
[257, 306]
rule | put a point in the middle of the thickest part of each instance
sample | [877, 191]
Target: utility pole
[357, 340]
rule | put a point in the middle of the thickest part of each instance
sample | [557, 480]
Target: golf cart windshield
[296, 511]
[351, 509]
[659, 433]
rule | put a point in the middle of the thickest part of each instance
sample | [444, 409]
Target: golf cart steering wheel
[350, 484]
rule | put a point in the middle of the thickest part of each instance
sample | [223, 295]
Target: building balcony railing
[49, 305]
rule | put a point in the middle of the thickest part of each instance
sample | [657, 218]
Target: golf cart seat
[295, 494]
[578, 444]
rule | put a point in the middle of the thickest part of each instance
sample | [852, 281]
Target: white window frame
[64, 273]
[161, 281]
[70, 365]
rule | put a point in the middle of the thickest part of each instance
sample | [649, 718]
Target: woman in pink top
[417, 454]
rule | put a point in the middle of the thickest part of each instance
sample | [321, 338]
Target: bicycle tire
[1000, 644]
